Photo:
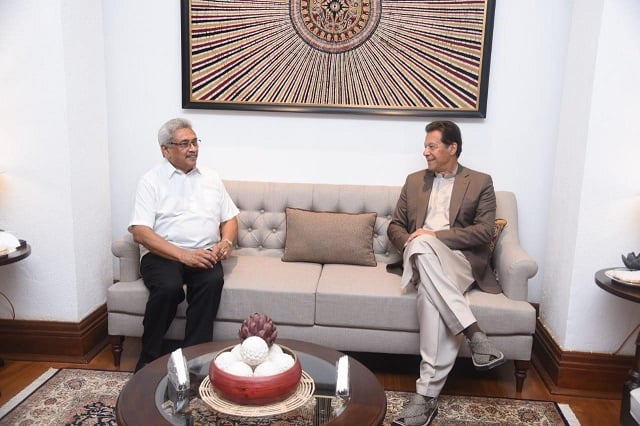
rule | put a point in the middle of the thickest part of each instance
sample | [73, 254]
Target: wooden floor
[395, 372]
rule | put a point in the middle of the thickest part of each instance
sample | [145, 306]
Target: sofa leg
[116, 348]
[521, 373]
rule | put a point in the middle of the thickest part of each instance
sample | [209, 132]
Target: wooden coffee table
[367, 405]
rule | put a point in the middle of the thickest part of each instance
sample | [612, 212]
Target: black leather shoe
[419, 411]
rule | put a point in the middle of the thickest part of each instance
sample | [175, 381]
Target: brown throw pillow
[500, 224]
[329, 237]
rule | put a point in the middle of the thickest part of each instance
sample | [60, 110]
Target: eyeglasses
[186, 144]
[432, 147]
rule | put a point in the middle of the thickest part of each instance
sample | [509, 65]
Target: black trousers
[165, 279]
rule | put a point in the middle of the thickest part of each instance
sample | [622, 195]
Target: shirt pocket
[172, 206]
[208, 200]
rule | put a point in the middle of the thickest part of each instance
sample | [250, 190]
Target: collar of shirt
[448, 175]
[168, 170]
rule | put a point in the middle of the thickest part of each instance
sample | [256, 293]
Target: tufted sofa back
[262, 222]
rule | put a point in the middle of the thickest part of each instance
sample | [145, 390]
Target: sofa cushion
[284, 291]
[380, 304]
[364, 297]
[329, 237]
[499, 315]
[128, 297]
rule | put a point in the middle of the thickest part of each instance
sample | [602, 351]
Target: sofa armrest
[128, 253]
[513, 266]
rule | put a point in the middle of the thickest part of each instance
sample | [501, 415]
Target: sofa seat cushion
[499, 315]
[128, 297]
[284, 291]
[365, 297]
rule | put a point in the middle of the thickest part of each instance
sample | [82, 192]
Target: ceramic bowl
[256, 390]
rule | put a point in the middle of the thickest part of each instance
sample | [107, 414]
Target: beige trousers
[441, 276]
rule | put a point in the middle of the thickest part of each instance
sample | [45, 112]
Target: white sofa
[346, 307]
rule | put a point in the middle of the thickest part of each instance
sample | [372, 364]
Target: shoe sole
[401, 423]
[490, 365]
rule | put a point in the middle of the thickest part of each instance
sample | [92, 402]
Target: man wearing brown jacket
[443, 223]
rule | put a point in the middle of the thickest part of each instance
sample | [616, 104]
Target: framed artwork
[397, 57]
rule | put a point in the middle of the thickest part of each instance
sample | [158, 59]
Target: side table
[633, 380]
[21, 252]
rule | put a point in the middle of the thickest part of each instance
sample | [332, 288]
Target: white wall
[54, 192]
[569, 172]
[596, 199]
[86, 117]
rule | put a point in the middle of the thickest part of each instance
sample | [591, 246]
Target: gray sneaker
[419, 411]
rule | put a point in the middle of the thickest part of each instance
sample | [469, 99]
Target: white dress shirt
[184, 209]
[439, 203]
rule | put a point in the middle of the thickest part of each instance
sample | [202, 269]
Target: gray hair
[165, 134]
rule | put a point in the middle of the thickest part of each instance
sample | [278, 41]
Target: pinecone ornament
[259, 325]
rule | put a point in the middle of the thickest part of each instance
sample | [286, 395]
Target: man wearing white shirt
[185, 222]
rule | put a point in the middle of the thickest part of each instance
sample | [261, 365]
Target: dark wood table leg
[116, 348]
[633, 381]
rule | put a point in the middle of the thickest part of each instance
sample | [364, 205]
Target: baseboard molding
[54, 340]
[578, 373]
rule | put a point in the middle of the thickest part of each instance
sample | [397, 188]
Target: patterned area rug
[88, 397]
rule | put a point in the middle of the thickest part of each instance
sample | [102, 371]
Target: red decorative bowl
[256, 390]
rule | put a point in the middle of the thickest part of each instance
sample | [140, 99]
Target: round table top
[137, 405]
[625, 291]
[20, 253]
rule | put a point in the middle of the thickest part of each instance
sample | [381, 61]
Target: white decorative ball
[237, 351]
[239, 368]
[267, 368]
[274, 351]
[254, 350]
[225, 359]
[284, 361]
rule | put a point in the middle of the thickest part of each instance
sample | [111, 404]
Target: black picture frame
[379, 57]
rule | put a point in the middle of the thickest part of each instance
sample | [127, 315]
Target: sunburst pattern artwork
[363, 56]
